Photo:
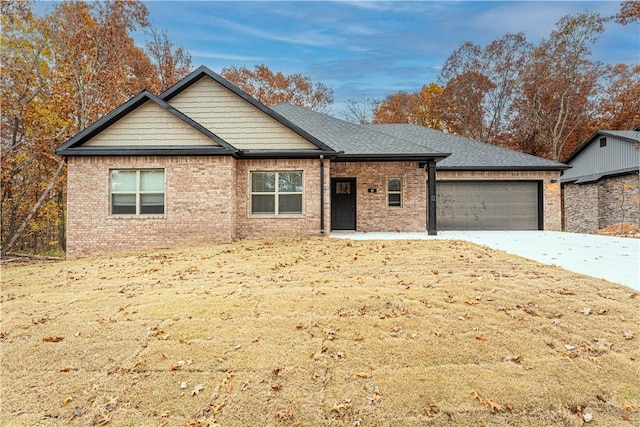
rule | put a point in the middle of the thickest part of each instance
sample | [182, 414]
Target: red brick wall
[307, 224]
[199, 205]
[551, 194]
[372, 210]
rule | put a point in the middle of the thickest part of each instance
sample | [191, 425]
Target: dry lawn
[317, 332]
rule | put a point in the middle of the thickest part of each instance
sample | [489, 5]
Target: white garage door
[487, 205]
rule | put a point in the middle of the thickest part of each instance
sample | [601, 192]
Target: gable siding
[234, 119]
[149, 124]
[618, 154]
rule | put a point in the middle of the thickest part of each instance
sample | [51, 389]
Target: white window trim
[137, 193]
[395, 192]
[276, 193]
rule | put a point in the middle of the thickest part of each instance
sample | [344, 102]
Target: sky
[367, 48]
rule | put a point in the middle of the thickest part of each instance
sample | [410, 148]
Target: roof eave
[376, 157]
[120, 151]
[505, 168]
[286, 154]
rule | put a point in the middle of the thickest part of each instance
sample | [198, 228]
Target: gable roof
[393, 141]
[468, 154]
[353, 141]
[71, 147]
[203, 71]
[632, 136]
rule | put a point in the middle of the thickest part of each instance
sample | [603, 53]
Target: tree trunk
[14, 237]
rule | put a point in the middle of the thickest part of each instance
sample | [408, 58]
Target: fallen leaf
[510, 406]
[337, 408]
[627, 418]
[493, 407]
[197, 389]
[66, 369]
[481, 338]
[66, 400]
[363, 375]
[314, 374]
[429, 409]
[276, 387]
[216, 409]
[52, 339]
[514, 359]
[285, 414]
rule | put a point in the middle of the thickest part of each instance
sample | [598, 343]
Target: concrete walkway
[616, 259]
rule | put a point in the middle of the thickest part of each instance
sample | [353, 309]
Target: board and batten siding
[235, 120]
[617, 154]
[149, 124]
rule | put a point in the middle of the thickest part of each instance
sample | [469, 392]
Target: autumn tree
[361, 111]
[61, 72]
[558, 86]
[172, 62]
[629, 12]
[618, 103]
[480, 86]
[419, 108]
[274, 88]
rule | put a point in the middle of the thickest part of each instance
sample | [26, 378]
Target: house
[206, 163]
[603, 185]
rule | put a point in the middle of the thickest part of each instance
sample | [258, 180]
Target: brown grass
[316, 332]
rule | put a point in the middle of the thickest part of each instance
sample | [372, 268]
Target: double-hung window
[276, 193]
[394, 192]
[137, 192]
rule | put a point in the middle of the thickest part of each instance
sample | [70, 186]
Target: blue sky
[367, 48]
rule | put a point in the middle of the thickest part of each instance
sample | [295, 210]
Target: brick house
[206, 163]
[603, 185]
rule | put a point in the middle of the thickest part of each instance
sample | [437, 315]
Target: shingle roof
[352, 139]
[397, 139]
[467, 153]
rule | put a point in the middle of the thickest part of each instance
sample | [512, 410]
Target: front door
[343, 203]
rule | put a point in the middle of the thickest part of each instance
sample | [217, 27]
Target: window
[394, 192]
[276, 193]
[603, 142]
[137, 192]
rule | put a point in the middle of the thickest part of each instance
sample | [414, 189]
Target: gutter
[321, 194]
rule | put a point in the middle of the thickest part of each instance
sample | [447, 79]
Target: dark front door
[343, 203]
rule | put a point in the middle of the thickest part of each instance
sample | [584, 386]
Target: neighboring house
[206, 163]
[603, 186]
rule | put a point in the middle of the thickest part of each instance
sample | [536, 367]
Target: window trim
[603, 142]
[138, 193]
[389, 192]
[276, 194]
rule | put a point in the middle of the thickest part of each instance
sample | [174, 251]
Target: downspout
[432, 227]
[321, 194]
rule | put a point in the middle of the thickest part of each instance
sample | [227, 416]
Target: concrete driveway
[616, 259]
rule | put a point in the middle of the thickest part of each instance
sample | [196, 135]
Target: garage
[489, 205]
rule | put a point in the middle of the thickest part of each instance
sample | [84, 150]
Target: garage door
[487, 205]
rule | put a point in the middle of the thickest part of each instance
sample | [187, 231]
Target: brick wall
[581, 208]
[257, 226]
[619, 200]
[199, 205]
[592, 206]
[373, 212]
[551, 192]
